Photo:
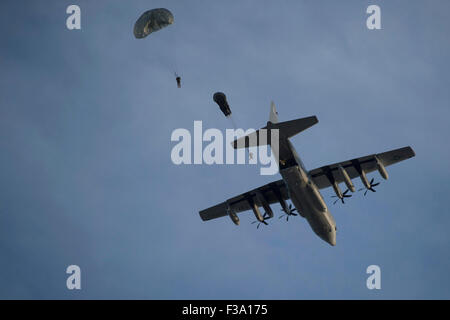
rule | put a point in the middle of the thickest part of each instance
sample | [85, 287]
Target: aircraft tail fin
[273, 115]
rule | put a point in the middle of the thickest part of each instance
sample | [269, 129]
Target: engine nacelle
[347, 180]
[337, 190]
[381, 169]
[255, 210]
[264, 204]
[233, 216]
[364, 180]
[283, 204]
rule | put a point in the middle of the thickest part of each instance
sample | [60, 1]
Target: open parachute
[152, 21]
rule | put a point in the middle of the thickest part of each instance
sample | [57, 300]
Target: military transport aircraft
[300, 185]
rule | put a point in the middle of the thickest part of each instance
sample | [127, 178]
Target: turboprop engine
[347, 180]
[233, 216]
[381, 169]
[337, 190]
[256, 212]
[259, 217]
[367, 185]
[339, 195]
[265, 205]
[364, 179]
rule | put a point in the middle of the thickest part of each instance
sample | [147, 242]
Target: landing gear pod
[221, 99]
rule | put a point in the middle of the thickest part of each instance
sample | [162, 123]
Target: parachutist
[153, 21]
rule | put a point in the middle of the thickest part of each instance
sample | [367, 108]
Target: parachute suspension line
[153, 21]
[221, 100]
[173, 52]
[248, 152]
[230, 117]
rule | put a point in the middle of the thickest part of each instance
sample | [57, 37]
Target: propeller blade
[289, 211]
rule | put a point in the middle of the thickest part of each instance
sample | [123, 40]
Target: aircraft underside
[309, 203]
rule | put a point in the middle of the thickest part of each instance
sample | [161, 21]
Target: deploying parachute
[152, 21]
[221, 99]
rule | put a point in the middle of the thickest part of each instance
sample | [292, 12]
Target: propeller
[371, 185]
[289, 212]
[344, 195]
[265, 217]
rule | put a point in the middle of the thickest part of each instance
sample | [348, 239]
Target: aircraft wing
[240, 203]
[367, 163]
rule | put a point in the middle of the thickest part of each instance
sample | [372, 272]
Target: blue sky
[85, 171]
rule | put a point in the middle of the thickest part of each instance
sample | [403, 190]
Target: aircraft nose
[332, 237]
[333, 242]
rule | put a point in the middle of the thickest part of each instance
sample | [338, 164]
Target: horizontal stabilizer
[290, 128]
[253, 139]
[287, 129]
